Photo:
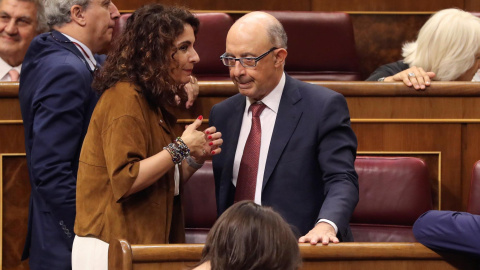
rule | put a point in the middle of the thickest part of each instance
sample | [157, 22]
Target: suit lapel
[289, 114]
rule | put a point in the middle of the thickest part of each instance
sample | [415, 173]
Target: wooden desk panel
[387, 117]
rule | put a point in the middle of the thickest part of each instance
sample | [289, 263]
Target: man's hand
[322, 232]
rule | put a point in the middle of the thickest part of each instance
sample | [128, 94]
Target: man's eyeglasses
[245, 61]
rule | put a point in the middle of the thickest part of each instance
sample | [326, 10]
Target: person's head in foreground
[248, 236]
[448, 45]
[155, 52]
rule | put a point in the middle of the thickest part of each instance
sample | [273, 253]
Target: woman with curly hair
[129, 177]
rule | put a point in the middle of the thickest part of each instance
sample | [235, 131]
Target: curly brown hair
[143, 53]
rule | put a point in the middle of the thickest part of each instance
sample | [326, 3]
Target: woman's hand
[192, 90]
[194, 139]
[415, 76]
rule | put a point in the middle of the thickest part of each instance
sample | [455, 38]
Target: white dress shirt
[5, 68]
[267, 122]
[92, 63]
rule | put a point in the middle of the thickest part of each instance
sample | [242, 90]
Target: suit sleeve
[59, 109]
[337, 150]
[387, 70]
[449, 231]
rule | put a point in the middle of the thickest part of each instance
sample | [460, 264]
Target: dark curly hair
[143, 53]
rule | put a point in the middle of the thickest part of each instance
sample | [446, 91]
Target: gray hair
[58, 11]
[41, 19]
[447, 44]
[277, 35]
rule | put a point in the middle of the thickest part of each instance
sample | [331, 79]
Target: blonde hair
[447, 44]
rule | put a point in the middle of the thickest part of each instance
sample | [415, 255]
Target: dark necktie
[247, 174]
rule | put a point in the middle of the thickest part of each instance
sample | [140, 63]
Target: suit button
[64, 227]
[61, 222]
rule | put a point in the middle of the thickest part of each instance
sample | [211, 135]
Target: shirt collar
[85, 48]
[272, 100]
[5, 68]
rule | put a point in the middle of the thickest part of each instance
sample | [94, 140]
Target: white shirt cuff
[329, 222]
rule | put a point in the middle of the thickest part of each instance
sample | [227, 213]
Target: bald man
[298, 155]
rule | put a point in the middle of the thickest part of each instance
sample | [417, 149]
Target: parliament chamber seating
[394, 192]
[209, 44]
[321, 45]
[474, 196]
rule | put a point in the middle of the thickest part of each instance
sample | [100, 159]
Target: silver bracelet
[192, 163]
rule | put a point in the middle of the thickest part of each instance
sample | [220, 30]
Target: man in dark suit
[303, 166]
[449, 231]
[57, 101]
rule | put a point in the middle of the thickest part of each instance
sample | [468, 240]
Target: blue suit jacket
[309, 172]
[56, 101]
[449, 231]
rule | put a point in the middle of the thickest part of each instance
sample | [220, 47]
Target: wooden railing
[359, 256]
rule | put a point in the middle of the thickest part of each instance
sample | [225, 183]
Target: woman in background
[447, 49]
[250, 237]
[129, 178]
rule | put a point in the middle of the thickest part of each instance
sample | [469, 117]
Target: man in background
[20, 22]
[57, 101]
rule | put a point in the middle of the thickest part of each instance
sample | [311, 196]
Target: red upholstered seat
[120, 25]
[394, 192]
[199, 204]
[321, 45]
[474, 196]
[210, 44]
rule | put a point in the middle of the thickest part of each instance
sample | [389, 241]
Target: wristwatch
[381, 79]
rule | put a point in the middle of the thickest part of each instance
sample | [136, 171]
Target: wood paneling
[440, 125]
[472, 5]
[379, 37]
[243, 6]
[15, 198]
[382, 5]
[316, 5]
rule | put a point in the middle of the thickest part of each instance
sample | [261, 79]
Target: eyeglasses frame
[240, 59]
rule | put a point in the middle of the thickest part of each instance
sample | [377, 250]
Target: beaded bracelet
[182, 147]
[178, 150]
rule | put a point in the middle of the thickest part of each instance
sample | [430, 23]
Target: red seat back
[474, 196]
[321, 45]
[394, 192]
